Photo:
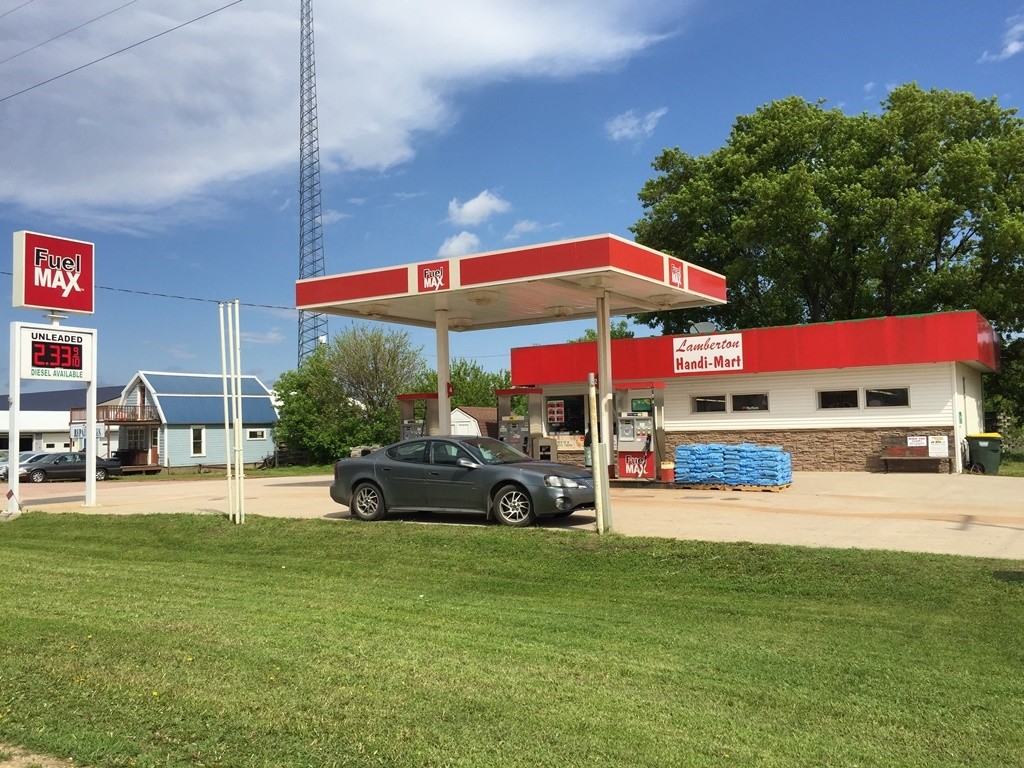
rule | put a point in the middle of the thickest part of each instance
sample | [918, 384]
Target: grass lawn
[169, 640]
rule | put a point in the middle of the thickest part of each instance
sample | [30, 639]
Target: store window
[564, 414]
[838, 398]
[750, 402]
[895, 397]
[198, 441]
[707, 404]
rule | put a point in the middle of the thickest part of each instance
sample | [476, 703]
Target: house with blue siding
[169, 420]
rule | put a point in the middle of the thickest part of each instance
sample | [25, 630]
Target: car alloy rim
[367, 501]
[515, 506]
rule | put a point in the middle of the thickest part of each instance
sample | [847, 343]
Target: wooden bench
[900, 449]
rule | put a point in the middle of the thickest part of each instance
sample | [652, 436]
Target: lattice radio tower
[312, 325]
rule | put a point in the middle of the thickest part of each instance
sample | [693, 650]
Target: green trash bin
[985, 452]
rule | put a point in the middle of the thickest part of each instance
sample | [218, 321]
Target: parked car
[460, 474]
[66, 466]
[23, 458]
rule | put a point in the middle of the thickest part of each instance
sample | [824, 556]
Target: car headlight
[554, 481]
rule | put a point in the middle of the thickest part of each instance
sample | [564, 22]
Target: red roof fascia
[358, 285]
[944, 337]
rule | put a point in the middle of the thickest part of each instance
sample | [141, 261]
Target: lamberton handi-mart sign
[704, 354]
[53, 273]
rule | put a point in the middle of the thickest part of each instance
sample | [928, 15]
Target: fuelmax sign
[53, 273]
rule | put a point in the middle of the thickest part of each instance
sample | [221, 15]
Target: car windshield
[35, 458]
[491, 451]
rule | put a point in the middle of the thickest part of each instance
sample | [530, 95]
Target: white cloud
[521, 228]
[477, 210]
[629, 126]
[459, 245]
[273, 336]
[190, 119]
[330, 216]
[869, 87]
[1013, 41]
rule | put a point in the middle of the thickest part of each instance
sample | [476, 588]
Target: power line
[8, 13]
[66, 32]
[179, 298]
[115, 53]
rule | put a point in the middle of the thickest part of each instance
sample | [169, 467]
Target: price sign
[52, 353]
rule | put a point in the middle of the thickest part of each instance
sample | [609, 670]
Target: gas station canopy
[520, 286]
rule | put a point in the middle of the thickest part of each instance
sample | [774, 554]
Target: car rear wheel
[513, 506]
[368, 502]
[101, 474]
[37, 476]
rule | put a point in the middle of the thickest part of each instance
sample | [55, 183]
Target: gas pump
[516, 428]
[418, 414]
[640, 444]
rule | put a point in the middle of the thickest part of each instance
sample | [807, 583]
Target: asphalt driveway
[974, 515]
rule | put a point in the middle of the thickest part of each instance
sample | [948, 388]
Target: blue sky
[445, 128]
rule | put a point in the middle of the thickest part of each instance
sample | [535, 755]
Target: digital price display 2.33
[56, 353]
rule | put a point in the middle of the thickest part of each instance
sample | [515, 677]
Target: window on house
[893, 397]
[198, 441]
[256, 434]
[707, 404]
[750, 402]
[838, 398]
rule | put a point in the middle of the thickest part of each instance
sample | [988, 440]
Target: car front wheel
[368, 502]
[513, 506]
[37, 476]
[101, 474]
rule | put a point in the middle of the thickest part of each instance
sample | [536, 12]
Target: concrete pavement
[975, 515]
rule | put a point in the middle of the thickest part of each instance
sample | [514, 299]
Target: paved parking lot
[973, 515]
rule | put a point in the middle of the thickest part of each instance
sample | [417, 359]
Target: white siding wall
[178, 441]
[793, 400]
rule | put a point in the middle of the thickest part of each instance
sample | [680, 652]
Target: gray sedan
[460, 474]
[66, 466]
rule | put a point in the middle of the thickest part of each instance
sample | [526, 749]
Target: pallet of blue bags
[743, 467]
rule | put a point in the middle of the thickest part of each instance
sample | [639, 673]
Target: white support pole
[91, 445]
[600, 479]
[227, 420]
[239, 457]
[14, 428]
[444, 373]
[604, 384]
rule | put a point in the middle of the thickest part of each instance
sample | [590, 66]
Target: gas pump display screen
[641, 405]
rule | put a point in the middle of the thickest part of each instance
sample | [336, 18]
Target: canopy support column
[605, 439]
[444, 403]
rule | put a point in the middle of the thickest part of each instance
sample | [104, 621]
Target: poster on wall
[556, 411]
[938, 446]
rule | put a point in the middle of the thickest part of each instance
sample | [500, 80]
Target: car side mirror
[465, 463]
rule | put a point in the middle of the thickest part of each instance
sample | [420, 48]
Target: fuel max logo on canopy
[434, 276]
[53, 273]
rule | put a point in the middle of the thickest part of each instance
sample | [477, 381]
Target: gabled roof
[198, 398]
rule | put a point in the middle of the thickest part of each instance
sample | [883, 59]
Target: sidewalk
[976, 515]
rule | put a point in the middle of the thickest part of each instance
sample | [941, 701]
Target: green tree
[813, 215]
[471, 384]
[346, 393]
[1004, 392]
[618, 329]
[316, 415]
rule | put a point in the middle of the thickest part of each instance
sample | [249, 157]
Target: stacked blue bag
[744, 464]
